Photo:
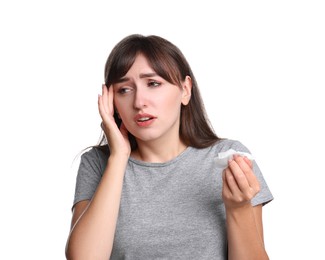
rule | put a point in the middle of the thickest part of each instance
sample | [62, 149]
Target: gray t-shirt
[171, 210]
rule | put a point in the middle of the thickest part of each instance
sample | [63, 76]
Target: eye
[123, 90]
[154, 84]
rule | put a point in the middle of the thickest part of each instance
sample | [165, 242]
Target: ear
[187, 90]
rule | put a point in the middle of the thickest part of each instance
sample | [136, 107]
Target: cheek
[170, 108]
[172, 101]
[122, 106]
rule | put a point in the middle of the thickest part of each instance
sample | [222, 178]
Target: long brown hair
[169, 63]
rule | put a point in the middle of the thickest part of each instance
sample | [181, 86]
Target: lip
[144, 123]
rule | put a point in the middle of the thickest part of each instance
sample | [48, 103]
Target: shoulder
[226, 144]
[95, 153]
[211, 152]
[95, 158]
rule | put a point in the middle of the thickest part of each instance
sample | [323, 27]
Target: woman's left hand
[240, 184]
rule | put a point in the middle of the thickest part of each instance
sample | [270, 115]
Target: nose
[140, 99]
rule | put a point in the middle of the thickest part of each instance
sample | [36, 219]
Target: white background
[261, 69]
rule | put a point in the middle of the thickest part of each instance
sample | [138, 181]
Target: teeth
[143, 119]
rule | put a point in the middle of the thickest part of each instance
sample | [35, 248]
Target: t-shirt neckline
[162, 164]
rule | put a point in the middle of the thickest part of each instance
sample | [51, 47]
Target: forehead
[140, 69]
[141, 60]
[140, 65]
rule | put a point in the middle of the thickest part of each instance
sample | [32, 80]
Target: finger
[247, 169]
[110, 100]
[244, 163]
[225, 187]
[101, 108]
[238, 174]
[248, 161]
[106, 99]
[231, 182]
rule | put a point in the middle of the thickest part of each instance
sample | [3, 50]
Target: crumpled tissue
[224, 157]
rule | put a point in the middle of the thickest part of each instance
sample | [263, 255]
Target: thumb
[123, 130]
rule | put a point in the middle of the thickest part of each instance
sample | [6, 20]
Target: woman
[154, 189]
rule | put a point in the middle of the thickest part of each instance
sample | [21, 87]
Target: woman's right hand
[117, 139]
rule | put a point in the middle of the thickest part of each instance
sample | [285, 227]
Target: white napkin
[224, 157]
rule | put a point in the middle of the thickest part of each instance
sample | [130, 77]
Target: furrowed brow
[122, 80]
[148, 75]
[141, 76]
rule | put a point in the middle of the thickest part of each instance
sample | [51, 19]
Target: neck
[158, 152]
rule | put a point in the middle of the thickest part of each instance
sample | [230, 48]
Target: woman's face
[148, 105]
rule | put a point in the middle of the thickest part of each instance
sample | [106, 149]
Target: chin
[146, 137]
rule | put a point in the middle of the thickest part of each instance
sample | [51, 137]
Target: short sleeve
[90, 171]
[264, 196]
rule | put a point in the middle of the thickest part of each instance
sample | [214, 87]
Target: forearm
[245, 240]
[93, 234]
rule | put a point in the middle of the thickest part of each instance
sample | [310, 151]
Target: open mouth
[144, 119]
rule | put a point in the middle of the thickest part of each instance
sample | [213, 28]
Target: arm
[244, 222]
[92, 234]
[94, 222]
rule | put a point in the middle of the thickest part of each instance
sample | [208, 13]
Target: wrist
[239, 210]
[119, 157]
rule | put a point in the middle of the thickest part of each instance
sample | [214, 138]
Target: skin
[244, 222]
[142, 91]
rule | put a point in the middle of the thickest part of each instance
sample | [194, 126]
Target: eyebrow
[142, 75]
